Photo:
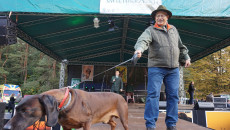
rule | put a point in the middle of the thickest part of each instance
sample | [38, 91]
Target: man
[164, 48]
[117, 83]
[191, 90]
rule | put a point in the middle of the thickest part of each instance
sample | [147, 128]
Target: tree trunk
[4, 75]
[5, 78]
[0, 52]
[22, 60]
[54, 69]
[25, 62]
[6, 57]
[41, 55]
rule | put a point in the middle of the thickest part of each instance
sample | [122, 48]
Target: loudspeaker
[162, 104]
[7, 40]
[220, 102]
[8, 33]
[204, 106]
[199, 117]
[2, 113]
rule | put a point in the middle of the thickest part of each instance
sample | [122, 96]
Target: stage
[217, 119]
[137, 122]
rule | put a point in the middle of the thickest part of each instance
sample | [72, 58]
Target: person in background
[11, 104]
[191, 90]
[129, 91]
[209, 98]
[228, 103]
[117, 83]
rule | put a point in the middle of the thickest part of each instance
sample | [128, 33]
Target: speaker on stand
[204, 106]
[8, 33]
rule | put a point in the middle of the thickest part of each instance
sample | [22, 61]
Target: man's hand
[121, 90]
[113, 80]
[138, 53]
[187, 63]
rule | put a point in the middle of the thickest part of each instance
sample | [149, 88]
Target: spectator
[11, 104]
[129, 92]
[228, 103]
[209, 98]
[191, 90]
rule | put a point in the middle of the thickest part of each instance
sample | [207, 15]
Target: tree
[24, 65]
[210, 74]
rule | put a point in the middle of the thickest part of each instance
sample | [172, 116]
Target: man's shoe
[171, 128]
[151, 129]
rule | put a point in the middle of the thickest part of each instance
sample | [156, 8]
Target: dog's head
[31, 109]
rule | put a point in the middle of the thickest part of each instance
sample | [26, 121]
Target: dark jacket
[164, 46]
[117, 84]
[129, 88]
[191, 88]
[12, 101]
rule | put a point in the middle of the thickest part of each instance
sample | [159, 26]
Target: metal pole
[62, 73]
[102, 85]
[181, 84]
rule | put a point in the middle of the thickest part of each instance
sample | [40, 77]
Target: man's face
[161, 18]
[117, 73]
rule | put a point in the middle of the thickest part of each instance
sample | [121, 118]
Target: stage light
[86, 88]
[112, 25]
[92, 89]
[96, 22]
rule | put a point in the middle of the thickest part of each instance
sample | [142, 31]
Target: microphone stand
[102, 83]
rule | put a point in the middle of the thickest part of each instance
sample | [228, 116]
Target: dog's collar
[60, 108]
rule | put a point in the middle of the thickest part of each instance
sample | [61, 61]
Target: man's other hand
[187, 63]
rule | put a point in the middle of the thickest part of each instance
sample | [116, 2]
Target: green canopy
[65, 30]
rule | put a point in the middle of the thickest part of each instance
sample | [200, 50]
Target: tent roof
[63, 34]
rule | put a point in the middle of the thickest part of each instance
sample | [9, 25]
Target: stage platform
[137, 122]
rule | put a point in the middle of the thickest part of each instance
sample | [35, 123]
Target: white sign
[128, 6]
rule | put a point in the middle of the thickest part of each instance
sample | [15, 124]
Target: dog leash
[133, 60]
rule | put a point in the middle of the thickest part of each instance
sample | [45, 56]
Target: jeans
[11, 106]
[191, 98]
[170, 77]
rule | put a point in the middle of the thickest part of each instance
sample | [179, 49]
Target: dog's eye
[24, 111]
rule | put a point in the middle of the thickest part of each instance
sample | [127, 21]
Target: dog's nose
[7, 127]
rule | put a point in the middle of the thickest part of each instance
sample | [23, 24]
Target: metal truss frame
[104, 63]
[95, 55]
[124, 34]
[111, 15]
[22, 35]
[212, 49]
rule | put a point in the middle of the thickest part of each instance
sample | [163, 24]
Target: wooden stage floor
[137, 122]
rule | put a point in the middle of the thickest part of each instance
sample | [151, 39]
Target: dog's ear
[50, 105]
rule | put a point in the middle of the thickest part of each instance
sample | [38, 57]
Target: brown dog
[83, 110]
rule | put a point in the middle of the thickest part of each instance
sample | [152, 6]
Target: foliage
[24, 65]
[210, 74]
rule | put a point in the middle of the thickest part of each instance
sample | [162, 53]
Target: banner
[123, 73]
[87, 73]
[128, 6]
